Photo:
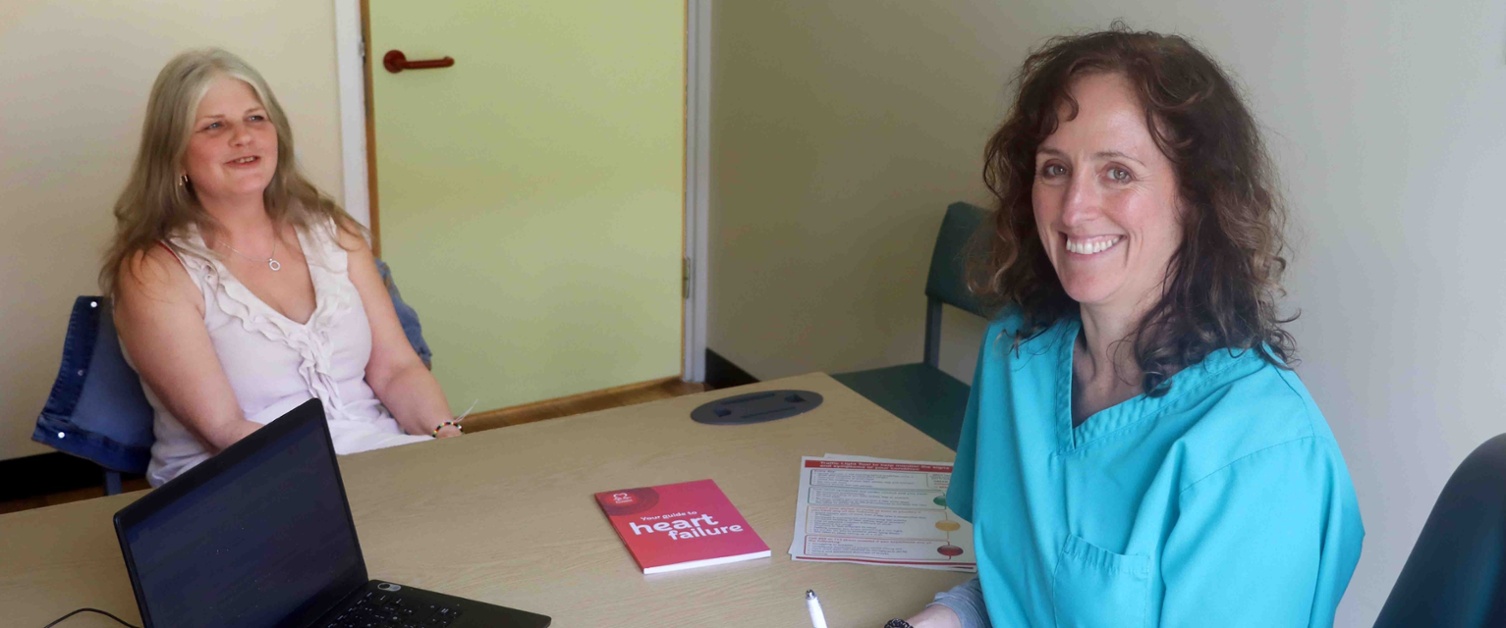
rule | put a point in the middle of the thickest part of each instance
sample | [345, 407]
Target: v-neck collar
[1184, 384]
[254, 299]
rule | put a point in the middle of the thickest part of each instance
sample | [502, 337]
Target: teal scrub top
[1224, 502]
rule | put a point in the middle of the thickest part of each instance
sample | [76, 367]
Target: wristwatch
[898, 623]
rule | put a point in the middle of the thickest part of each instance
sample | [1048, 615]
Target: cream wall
[76, 75]
[835, 149]
[840, 130]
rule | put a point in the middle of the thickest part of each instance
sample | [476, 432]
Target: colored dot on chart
[940, 500]
[948, 526]
[949, 550]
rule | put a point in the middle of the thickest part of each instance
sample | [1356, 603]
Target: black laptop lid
[259, 535]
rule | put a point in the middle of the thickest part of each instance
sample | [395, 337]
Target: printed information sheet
[879, 512]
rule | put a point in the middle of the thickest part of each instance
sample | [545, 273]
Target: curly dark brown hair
[1224, 279]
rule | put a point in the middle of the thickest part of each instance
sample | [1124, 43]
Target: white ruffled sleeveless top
[274, 364]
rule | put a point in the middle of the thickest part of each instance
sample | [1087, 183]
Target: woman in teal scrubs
[1137, 451]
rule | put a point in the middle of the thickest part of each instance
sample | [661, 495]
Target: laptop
[261, 535]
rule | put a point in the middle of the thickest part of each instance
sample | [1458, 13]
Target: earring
[182, 180]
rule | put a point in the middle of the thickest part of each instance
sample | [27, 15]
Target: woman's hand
[936, 616]
[448, 431]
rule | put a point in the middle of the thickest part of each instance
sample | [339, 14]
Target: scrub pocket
[1094, 587]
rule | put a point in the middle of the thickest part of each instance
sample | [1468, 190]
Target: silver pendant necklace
[272, 262]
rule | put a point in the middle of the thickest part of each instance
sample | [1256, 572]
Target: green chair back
[947, 281]
[921, 394]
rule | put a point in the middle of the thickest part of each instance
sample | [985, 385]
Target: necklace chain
[271, 260]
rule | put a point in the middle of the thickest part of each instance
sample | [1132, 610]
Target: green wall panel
[531, 195]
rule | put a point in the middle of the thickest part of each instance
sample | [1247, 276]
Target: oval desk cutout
[756, 407]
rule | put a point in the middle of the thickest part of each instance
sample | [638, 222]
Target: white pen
[818, 619]
[467, 411]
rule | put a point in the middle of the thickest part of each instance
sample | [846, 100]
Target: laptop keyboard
[391, 610]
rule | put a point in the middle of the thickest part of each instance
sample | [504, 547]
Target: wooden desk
[507, 516]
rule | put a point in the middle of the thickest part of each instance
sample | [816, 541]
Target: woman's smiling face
[232, 149]
[1106, 199]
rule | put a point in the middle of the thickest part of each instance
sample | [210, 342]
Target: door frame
[350, 71]
[359, 161]
[697, 182]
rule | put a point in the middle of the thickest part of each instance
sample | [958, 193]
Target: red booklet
[680, 526]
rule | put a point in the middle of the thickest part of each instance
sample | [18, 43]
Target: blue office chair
[96, 409]
[407, 317]
[1456, 575]
[921, 394]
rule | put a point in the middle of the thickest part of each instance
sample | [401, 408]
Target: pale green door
[529, 198]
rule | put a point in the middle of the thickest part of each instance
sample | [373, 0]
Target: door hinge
[685, 278]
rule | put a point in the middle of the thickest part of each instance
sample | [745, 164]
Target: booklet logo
[628, 501]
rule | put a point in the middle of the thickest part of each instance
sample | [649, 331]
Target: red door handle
[395, 61]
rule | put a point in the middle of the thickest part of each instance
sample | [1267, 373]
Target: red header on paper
[877, 466]
[680, 526]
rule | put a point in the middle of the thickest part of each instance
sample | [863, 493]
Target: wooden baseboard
[618, 396]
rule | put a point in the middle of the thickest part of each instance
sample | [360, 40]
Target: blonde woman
[241, 291]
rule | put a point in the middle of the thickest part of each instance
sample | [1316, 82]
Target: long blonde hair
[153, 207]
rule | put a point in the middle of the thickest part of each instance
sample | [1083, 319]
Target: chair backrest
[407, 316]
[947, 281]
[97, 410]
[1456, 574]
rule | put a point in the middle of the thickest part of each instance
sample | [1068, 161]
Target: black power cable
[88, 610]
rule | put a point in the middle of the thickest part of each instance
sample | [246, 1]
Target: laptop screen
[258, 535]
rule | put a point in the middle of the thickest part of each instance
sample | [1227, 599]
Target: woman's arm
[394, 372]
[1270, 539]
[159, 316]
[937, 616]
[959, 607]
